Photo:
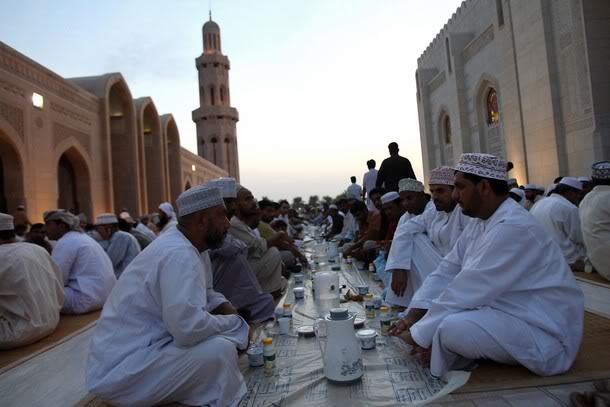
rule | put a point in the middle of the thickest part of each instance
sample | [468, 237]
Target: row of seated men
[502, 292]
[73, 272]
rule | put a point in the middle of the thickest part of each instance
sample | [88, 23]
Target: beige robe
[31, 294]
[266, 262]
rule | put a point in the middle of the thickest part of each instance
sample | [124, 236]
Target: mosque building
[88, 145]
[524, 80]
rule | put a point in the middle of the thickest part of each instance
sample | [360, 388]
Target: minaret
[215, 118]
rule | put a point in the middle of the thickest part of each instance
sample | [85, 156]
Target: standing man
[369, 181]
[595, 219]
[503, 293]
[558, 214]
[393, 169]
[165, 335]
[121, 247]
[354, 189]
[87, 272]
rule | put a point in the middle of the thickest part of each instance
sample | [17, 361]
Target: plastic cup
[298, 278]
[284, 325]
[299, 293]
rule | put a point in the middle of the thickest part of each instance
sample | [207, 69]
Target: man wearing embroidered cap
[167, 217]
[233, 275]
[87, 272]
[32, 290]
[121, 247]
[504, 292]
[420, 242]
[413, 197]
[595, 219]
[165, 335]
[558, 214]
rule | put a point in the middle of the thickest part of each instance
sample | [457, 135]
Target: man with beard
[167, 217]
[38, 236]
[503, 293]
[421, 242]
[263, 254]
[165, 335]
[267, 216]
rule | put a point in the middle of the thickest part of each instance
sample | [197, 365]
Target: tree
[314, 201]
[327, 199]
[341, 196]
[297, 203]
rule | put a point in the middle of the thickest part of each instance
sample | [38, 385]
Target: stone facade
[215, 118]
[85, 144]
[527, 80]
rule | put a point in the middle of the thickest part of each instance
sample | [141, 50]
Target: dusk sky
[321, 85]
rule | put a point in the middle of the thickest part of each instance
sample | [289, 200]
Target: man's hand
[226, 308]
[414, 315]
[400, 281]
[423, 354]
[277, 239]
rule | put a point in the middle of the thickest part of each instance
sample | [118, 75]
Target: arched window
[214, 145]
[447, 130]
[212, 95]
[228, 153]
[448, 52]
[222, 95]
[200, 147]
[202, 95]
[187, 186]
[493, 114]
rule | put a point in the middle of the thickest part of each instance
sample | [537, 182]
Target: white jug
[327, 291]
[341, 353]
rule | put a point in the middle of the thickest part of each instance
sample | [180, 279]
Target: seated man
[504, 292]
[392, 209]
[335, 221]
[167, 217]
[38, 236]
[263, 254]
[267, 216]
[350, 226]
[121, 247]
[369, 224]
[532, 195]
[595, 219]
[87, 272]
[518, 195]
[32, 290]
[421, 242]
[126, 224]
[558, 214]
[165, 335]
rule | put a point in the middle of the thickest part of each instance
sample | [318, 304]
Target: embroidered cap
[442, 176]
[389, 197]
[571, 182]
[198, 198]
[6, 222]
[228, 186]
[61, 215]
[106, 219]
[483, 165]
[601, 170]
[530, 186]
[409, 184]
[518, 191]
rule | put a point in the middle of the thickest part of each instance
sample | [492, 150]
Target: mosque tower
[215, 118]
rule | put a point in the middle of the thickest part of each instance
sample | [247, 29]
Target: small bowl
[367, 338]
[299, 293]
[363, 289]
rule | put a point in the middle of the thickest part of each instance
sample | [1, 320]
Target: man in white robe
[165, 335]
[558, 214]
[421, 242]
[31, 290]
[504, 292]
[369, 181]
[87, 272]
[354, 189]
[167, 217]
[121, 247]
[532, 195]
[595, 219]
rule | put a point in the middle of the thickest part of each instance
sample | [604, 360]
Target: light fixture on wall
[193, 167]
[37, 100]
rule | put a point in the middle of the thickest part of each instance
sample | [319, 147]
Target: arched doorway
[11, 176]
[174, 157]
[489, 112]
[73, 185]
[187, 186]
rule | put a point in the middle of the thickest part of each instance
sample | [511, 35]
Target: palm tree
[297, 203]
[314, 201]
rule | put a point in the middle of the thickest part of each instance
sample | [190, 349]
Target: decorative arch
[227, 152]
[153, 176]
[73, 177]
[444, 138]
[187, 185]
[12, 179]
[488, 108]
[173, 156]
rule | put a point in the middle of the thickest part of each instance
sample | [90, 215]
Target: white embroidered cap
[333, 206]
[571, 182]
[518, 191]
[409, 184]
[541, 188]
[168, 209]
[6, 222]
[483, 165]
[530, 186]
[228, 186]
[442, 176]
[584, 179]
[389, 197]
[106, 219]
[198, 198]
[601, 170]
